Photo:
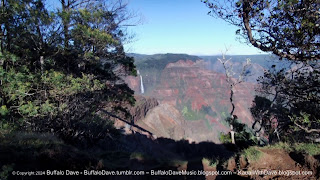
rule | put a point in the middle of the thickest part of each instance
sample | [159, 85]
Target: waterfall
[141, 85]
[141, 82]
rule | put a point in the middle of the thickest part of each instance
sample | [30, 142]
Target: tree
[58, 68]
[24, 27]
[94, 31]
[288, 28]
[239, 134]
[292, 96]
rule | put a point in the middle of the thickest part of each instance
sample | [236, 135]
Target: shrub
[212, 162]
[252, 153]
[308, 148]
[224, 138]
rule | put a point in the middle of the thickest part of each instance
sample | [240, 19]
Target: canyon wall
[193, 101]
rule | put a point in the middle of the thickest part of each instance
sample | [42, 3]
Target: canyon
[193, 100]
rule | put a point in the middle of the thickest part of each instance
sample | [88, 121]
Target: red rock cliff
[201, 99]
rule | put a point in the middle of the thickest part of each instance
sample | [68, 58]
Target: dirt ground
[273, 164]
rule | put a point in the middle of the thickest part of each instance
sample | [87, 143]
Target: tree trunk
[231, 114]
[66, 25]
[232, 135]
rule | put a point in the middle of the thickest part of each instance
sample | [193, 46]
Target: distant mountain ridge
[144, 61]
[159, 61]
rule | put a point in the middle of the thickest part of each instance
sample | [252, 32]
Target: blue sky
[182, 26]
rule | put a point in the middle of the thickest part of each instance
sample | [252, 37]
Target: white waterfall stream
[141, 85]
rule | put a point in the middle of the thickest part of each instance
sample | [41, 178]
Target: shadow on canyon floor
[135, 152]
[168, 154]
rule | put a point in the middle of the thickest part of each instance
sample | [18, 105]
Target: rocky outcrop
[142, 106]
[164, 121]
[133, 82]
[125, 116]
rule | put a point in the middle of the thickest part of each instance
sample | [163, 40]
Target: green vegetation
[224, 138]
[57, 71]
[55, 66]
[306, 148]
[252, 153]
[213, 162]
[287, 108]
[208, 110]
[191, 115]
[291, 113]
[244, 136]
[60, 67]
[286, 28]
[224, 116]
